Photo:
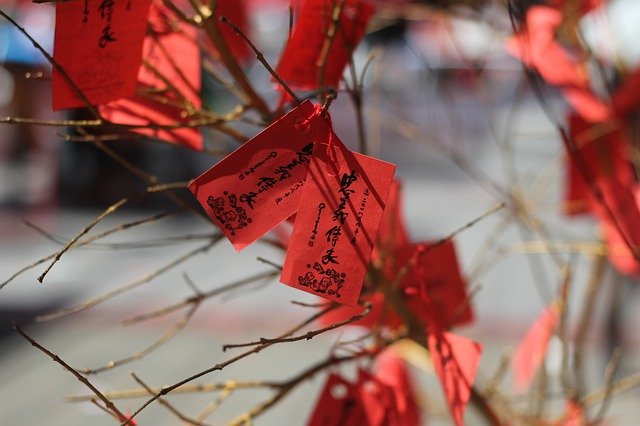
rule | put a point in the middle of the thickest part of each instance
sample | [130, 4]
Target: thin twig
[107, 402]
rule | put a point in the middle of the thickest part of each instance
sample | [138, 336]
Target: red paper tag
[533, 347]
[435, 275]
[259, 185]
[378, 401]
[172, 50]
[604, 156]
[392, 234]
[455, 360]
[236, 12]
[392, 371]
[338, 404]
[98, 44]
[537, 48]
[336, 225]
[298, 63]
[622, 200]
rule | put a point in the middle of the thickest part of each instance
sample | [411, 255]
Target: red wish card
[391, 370]
[392, 234]
[338, 404]
[622, 229]
[533, 347]
[455, 360]
[299, 63]
[603, 152]
[168, 90]
[236, 12]
[435, 274]
[337, 222]
[98, 44]
[537, 47]
[378, 401]
[259, 185]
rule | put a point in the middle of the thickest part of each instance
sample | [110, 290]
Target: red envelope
[455, 360]
[298, 65]
[175, 54]
[336, 225]
[260, 184]
[99, 46]
[533, 347]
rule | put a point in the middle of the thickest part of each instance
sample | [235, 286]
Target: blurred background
[443, 101]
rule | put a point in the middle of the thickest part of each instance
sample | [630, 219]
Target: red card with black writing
[533, 347]
[337, 222]
[259, 185]
[168, 88]
[338, 404]
[99, 45]
[455, 360]
[298, 65]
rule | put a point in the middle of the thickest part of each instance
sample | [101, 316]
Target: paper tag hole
[339, 391]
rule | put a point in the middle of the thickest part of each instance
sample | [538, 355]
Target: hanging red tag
[378, 401]
[259, 185]
[338, 404]
[299, 63]
[455, 360]
[337, 222]
[98, 44]
[604, 152]
[392, 235]
[391, 370]
[536, 46]
[435, 271]
[622, 200]
[236, 12]
[168, 90]
[533, 347]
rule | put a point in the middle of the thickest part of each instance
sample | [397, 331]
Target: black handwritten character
[106, 12]
[348, 179]
[340, 215]
[266, 183]
[307, 280]
[108, 36]
[322, 286]
[329, 257]
[249, 198]
[333, 234]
